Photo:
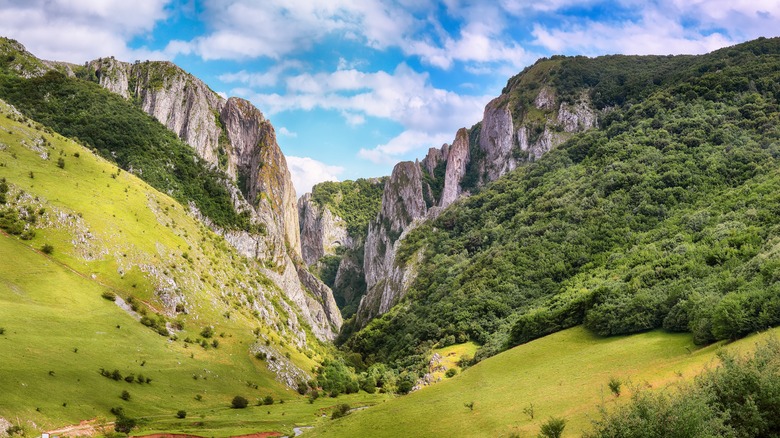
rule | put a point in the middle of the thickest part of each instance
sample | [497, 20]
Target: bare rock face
[434, 157]
[457, 160]
[321, 230]
[496, 139]
[233, 135]
[402, 205]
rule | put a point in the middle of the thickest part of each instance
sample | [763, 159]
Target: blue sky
[354, 86]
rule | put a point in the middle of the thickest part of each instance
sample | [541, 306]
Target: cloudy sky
[354, 86]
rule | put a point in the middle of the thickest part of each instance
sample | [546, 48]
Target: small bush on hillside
[124, 424]
[61, 163]
[125, 395]
[451, 372]
[110, 296]
[47, 249]
[313, 395]
[341, 410]
[207, 332]
[2, 330]
[239, 402]
[181, 414]
[268, 400]
[614, 386]
[14, 430]
[553, 428]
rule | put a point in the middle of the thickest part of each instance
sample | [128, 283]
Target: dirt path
[84, 428]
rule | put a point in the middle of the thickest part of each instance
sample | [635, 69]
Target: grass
[563, 375]
[451, 355]
[111, 232]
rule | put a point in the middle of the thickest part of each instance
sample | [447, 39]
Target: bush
[125, 395]
[614, 386]
[207, 332]
[110, 296]
[181, 414]
[451, 372]
[268, 400]
[61, 163]
[553, 428]
[239, 402]
[124, 424]
[340, 410]
[47, 249]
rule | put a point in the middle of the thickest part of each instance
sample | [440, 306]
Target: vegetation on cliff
[665, 216]
[121, 132]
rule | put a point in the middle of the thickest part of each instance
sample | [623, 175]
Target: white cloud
[403, 96]
[81, 30]
[286, 132]
[404, 143]
[307, 172]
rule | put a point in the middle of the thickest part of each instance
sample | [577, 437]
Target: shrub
[207, 332]
[2, 330]
[340, 411]
[47, 249]
[614, 386]
[181, 414]
[553, 428]
[268, 400]
[239, 402]
[451, 372]
[124, 424]
[125, 395]
[110, 296]
[61, 163]
[313, 395]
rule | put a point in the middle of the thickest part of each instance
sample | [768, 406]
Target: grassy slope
[564, 375]
[51, 305]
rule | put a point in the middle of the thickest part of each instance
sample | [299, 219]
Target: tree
[181, 414]
[239, 402]
[553, 428]
[125, 395]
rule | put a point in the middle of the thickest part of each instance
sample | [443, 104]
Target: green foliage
[47, 248]
[334, 377]
[341, 410]
[125, 395]
[451, 372]
[268, 400]
[614, 385]
[239, 402]
[664, 216]
[181, 414]
[357, 202]
[121, 132]
[552, 428]
[738, 399]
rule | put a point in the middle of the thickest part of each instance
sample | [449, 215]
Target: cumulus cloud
[286, 132]
[81, 30]
[306, 172]
[429, 115]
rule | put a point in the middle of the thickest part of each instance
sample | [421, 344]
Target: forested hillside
[666, 215]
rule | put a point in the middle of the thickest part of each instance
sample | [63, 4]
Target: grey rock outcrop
[402, 204]
[234, 136]
[322, 232]
[457, 160]
[496, 140]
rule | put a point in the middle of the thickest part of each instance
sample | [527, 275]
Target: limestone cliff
[402, 204]
[234, 136]
[457, 160]
[322, 232]
[510, 134]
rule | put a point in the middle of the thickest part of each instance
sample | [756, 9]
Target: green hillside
[664, 216]
[565, 375]
[78, 233]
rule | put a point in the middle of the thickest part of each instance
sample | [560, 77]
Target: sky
[355, 86]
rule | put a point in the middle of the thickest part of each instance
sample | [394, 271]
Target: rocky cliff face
[457, 160]
[232, 135]
[504, 143]
[322, 232]
[403, 203]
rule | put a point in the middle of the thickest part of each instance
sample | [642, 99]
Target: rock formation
[232, 135]
[322, 232]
